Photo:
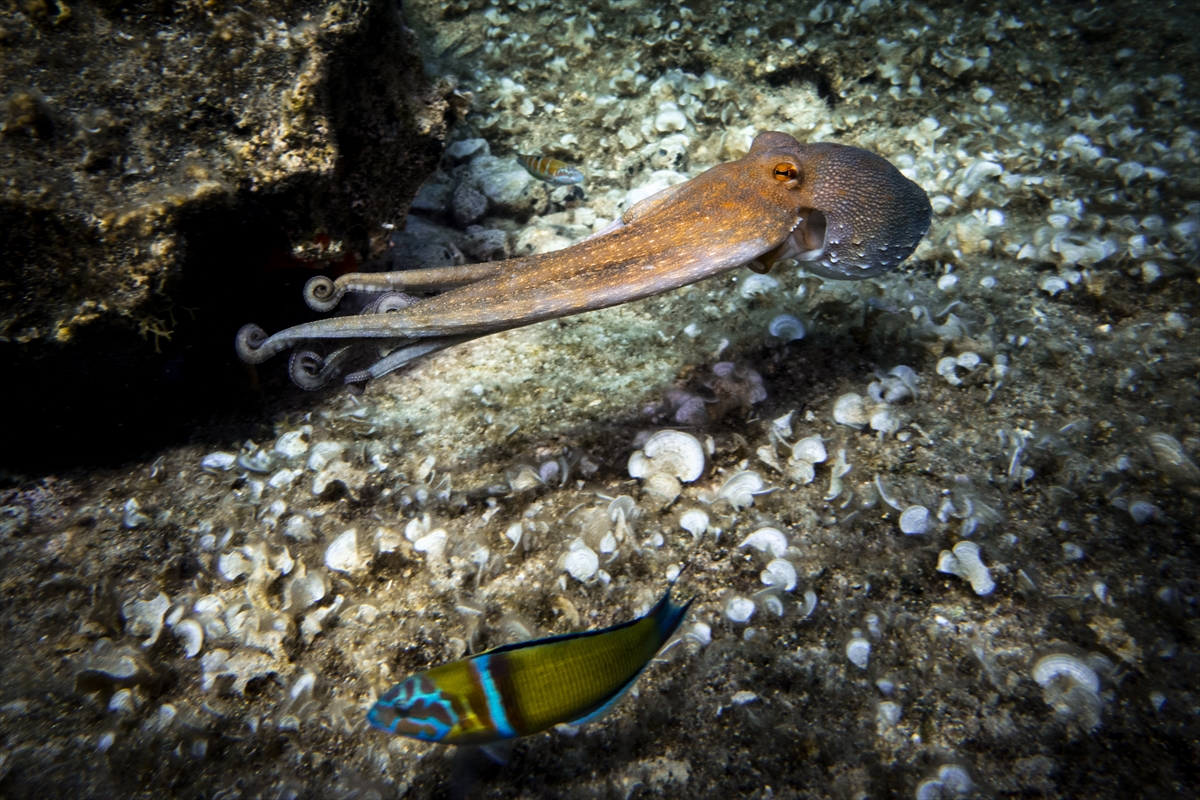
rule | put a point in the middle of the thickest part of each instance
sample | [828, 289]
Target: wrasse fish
[551, 170]
[521, 689]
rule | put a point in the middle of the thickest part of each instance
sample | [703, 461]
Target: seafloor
[213, 621]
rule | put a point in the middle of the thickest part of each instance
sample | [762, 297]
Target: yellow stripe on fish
[521, 689]
[551, 170]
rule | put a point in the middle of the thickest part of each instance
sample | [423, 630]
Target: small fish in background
[522, 689]
[551, 170]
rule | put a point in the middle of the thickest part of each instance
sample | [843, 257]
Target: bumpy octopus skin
[847, 213]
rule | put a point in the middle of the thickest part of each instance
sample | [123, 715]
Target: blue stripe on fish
[414, 707]
[482, 669]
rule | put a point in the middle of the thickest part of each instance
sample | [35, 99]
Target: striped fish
[551, 170]
[521, 689]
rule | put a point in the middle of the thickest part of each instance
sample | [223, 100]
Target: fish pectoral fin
[652, 203]
[499, 752]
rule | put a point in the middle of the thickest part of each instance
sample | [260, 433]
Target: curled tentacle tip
[308, 370]
[249, 342]
[321, 293]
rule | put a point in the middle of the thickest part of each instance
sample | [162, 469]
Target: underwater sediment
[940, 524]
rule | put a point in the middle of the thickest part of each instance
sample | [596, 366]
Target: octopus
[846, 213]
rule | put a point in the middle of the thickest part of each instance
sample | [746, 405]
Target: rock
[433, 198]
[465, 150]
[659, 179]
[422, 244]
[486, 244]
[671, 153]
[238, 139]
[304, 133]
[469, 205]
[512, 191]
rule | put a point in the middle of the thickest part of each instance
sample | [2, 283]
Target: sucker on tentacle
[845, 212]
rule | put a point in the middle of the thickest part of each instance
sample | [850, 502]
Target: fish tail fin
[668, 614]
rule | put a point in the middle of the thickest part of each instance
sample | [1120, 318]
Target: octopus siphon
[846, 213]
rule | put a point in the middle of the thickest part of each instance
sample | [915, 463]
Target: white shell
[1060, 664]
[965, 562]
[694, 522]
[888, 714]
[292, 444]
[810, 449]
[1170, 457]
[145, 617]
[885, 421]
[1142, 512]
[386, 540]
[947, 367]
[810, 603]
[622, 507]
[743, 697]
[322, 454]
[218, 461]
[768, 456]
[342, 554]
[582, 563]
[757, 284]
[122, 702]
[739, 609]
[191, 636]
[432, 543]
[780, 573]
[302, 592]
[663, 487]
[740, 489]
[700, 633]
[767, 540]
[858, 650]
[608, 543]
[299, 528]
[914, 520]
[303, 685]
[672, 452]
[850, 411]
[801, 472]
[639, 465]
[955, 780]
[787, 328]
[524, 479]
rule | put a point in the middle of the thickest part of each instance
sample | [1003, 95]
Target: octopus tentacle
[310, 371]
[405, 355]
[323, 294]
[255, 347]
[249, 342]
[392, 301]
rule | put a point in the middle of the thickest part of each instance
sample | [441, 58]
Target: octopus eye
[785, 172]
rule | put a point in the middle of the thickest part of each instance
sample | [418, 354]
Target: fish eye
[786, 172]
